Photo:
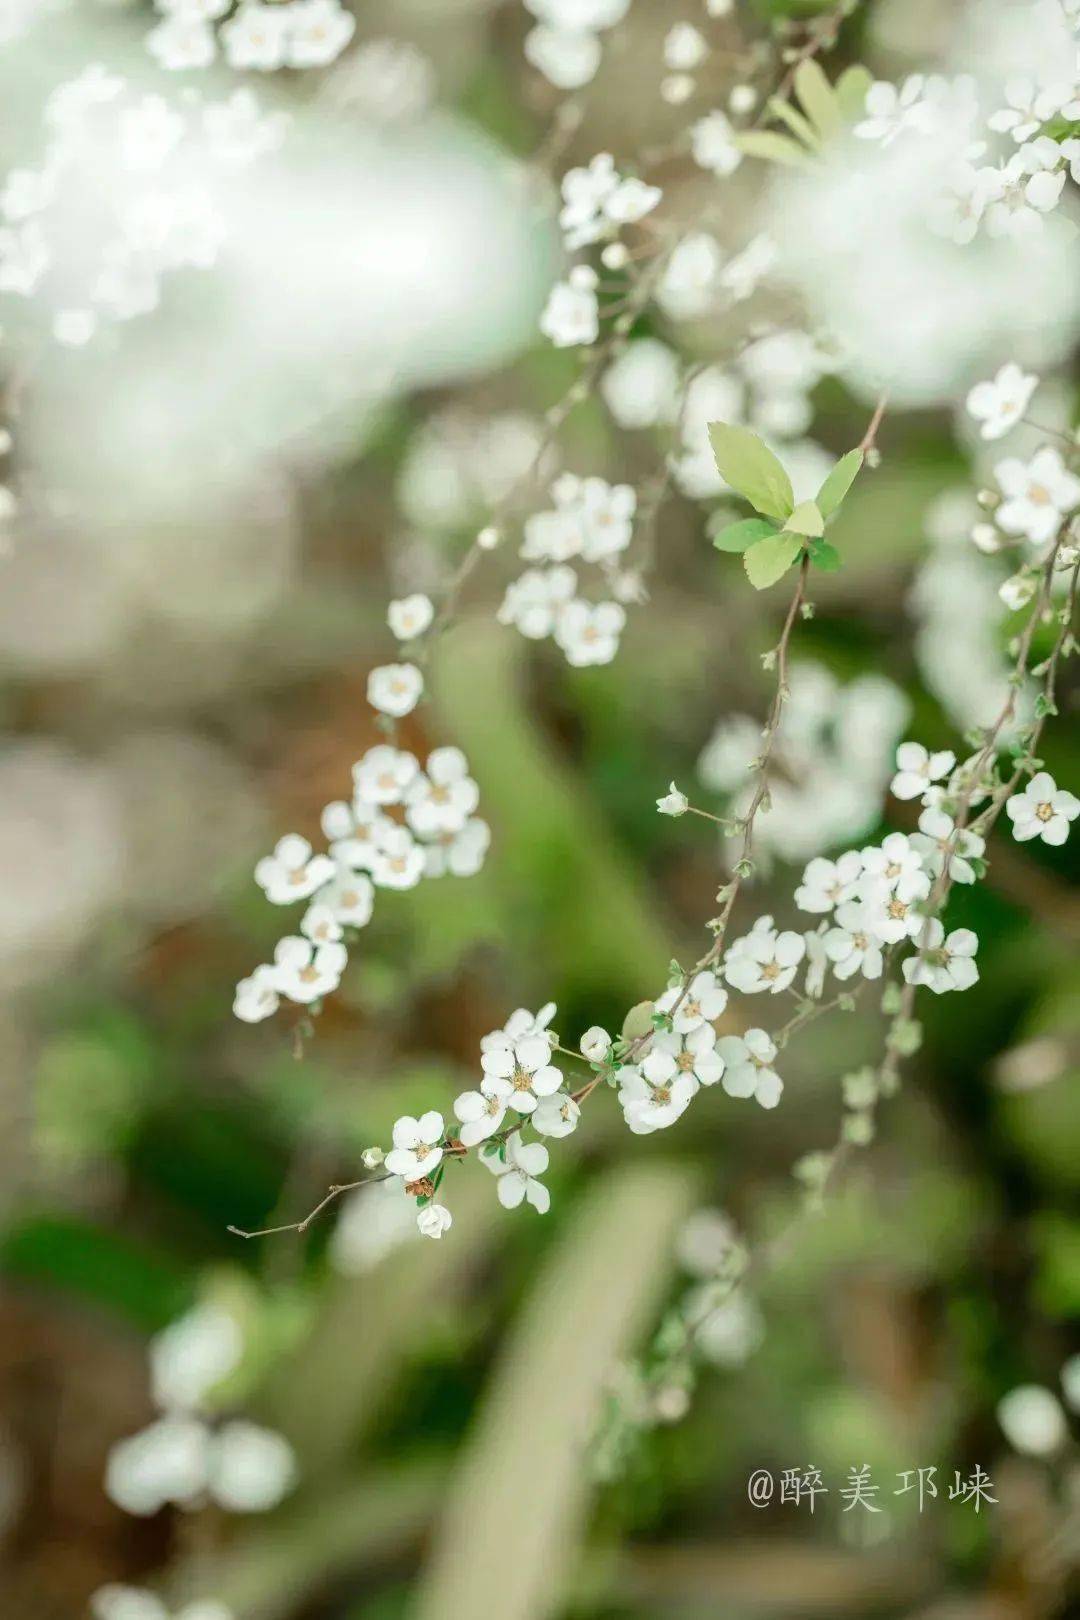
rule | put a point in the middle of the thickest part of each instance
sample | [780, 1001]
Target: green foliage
[770, 559]
[838, 482]
[824, 110]
[737, 536]
[746, 463]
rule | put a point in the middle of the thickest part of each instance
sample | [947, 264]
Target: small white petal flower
[166, 1462]
[853, 945]
[395, 689]
[482, 1112]
[383, 775]
[694, 1054]
[410, 616]
[257, 997]
[943, 964]
[938, 839]
[595, 1044]
[763, 959]
[654, 1105]
[590, 634]
[1042, 810]
[1038, 494]
[318, 32]
[192, 1355]
[712, 142]
[417, 1149]
[534, 602]
[255, 36]
[673, 803]
[685, 48]
[916, 768]
[460, 853]
[306, 972]
[567, 58]
[571, 316]
[999, 404]
[320, 924]
[292, 872]
[398, 862]
[704, 1001]
[556, 1116]
[826, 884]
[433, 1220]
[895, 867]
[443, 799]
[518, 1172]
[250, 1469]
[526, 1065]
[749, 1071]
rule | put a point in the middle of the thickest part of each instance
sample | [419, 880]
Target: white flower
[460, 853]
[727, 1333]
[893, 918]
[571, 315]
[417, 1149]
[630, 201]
[382, 777]
[743, 274]
[520, 1024]
[526, 1065]
[943, 964]
[442, 799]
[250, 1469]
[395, 689]
[166, 1462]
[890, 111]
[433, 1220]
[180, 42]
[763, 959]
[916, 768]
[534, 602]
[937, 836]
[349, 899]
[590, 634]
[895, 867]
[556, 1116]
[518, 1173]
[355, 832]
[1028, 106]
[480, 1113]
[567, 58]
[305, 972]
[1018, 590]
[319, 923]
[707, 1238]
[690, 283]
[705, 1000]
[692, 1056]
[817, 961]
[257, 997]
[647, 1107]
[641, 385]
[398, 861]
[410, 616]
[318, 32]
[606, 516]
[712, 141]
[292, 872]
[192, 1355]
[595, 1044]
[552, 536]
[255, 36]
[115, 1602]
[999, 404]
[1037, 495]
[1018, 193]
[826, 883]
[748, 1067]
[1032, 1420]
[684, 48]
[854, 945]
[673, 803]
[1042, 810]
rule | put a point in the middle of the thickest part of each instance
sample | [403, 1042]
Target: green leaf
[818, 98]
[825, 556]
[737, 536]
[806, 520]
[774, 148]
[838, 482]
[798, 125]
[850, 91]
[750, 467]
[770, 559]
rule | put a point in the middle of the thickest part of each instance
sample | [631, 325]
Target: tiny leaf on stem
[751, 469]
[839, 481]
[770, 559]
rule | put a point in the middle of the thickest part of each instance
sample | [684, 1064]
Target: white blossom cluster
[187, 1457]
[591, 522]
[253, 36]
[96, 251]
[1005, 169]
[834, 748]
[565, 43]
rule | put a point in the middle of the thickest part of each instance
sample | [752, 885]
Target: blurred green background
[440, 1399]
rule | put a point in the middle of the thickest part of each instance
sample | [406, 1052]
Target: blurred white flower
[374, 1221]
[1038, 494]
[192, 1355]
[1032, 1420]
[306, 972]
[410, 616]
[590, 634]
[292, 872]
[712, 142]
[250, 1469]
[641, 386]
[395, 689]
[571, 315]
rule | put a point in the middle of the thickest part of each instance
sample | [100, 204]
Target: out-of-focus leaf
[523, 1476]
[746, 463]
[770, 560]
[798, 125]
[818, 98]
[825, 556]
[851, 88]
[70, 1255]
[773, 148]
